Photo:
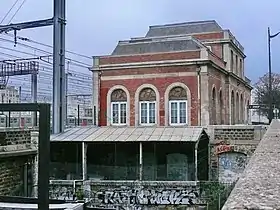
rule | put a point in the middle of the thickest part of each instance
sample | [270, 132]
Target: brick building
[178, 74]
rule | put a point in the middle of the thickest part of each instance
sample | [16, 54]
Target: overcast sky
[94, 27]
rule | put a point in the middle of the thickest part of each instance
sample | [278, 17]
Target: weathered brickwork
[151, 57]
[161, 84]
[12, 175]
[231, 149]
[16, 157]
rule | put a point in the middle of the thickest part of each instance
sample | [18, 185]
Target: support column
[84, 160]
[140, 161]
[59, 100]
[204, 97]
[195, 161]
[34, 88]
[34, 142]
[95, 91]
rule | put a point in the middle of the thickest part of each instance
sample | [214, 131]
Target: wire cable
[9, 11]
[16, 11]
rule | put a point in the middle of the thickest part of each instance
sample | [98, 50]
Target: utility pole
[269, 37]
[59, 102]
[58, 21]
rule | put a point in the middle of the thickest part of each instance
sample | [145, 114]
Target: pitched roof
[184, 28]
[129, 134]
[144, 45]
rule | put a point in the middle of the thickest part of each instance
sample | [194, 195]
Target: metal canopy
[129, 134]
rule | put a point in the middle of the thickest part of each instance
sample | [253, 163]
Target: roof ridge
[157, 39]
[184, 24]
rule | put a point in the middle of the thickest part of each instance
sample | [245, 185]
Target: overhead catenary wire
[16, 11]
[44, 51]
[9, 11]
[80, 86]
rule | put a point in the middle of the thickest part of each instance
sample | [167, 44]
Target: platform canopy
[129, 134]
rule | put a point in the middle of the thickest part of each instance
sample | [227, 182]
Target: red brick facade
[204, 72]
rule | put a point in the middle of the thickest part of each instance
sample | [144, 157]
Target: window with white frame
[147, 107]
[178, 106]
[118, 107]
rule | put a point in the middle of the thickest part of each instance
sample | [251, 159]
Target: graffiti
[146, 197]
[62, 193]
[223, 148]
[225, 162]
[231, 165]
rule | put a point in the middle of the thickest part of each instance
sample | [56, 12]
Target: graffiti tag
[147, 197]
[224, 148]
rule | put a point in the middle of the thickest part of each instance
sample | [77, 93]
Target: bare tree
[262, 93]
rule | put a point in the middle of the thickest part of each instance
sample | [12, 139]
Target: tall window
[231, 61]
[237, 119]
[147, 100]
[236, 65]
[241, 67]
[118, 107]
[178, 106]
[242, 110]
[221, 107]
[214, 113]
[232, 102]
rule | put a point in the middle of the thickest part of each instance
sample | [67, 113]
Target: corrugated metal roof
[129, 134]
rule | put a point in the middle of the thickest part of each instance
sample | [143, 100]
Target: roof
[184, 28]
[259, 185]
[141, 46]
[129, 134]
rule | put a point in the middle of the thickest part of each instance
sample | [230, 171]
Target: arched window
[214, 111]
[118, 107]
[221, 107]
[178, 105]
[232, 108]
[242, 110]
[147, 104]
[248, 112]
[237, 108]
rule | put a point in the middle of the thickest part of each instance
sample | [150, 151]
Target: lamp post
[270, 112]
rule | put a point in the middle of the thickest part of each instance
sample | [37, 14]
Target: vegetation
[262, 93]
[215, 194]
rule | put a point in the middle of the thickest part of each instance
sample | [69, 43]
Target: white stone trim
[109, 103]
[166, 101]
[136, 106]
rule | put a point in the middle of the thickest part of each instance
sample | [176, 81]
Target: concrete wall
[231, 148]
[16, 157]
[258, 187]
[130, 194]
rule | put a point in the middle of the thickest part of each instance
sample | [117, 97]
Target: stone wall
[16, 157]
[231, 148]
[12, 175]
[258, 187]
